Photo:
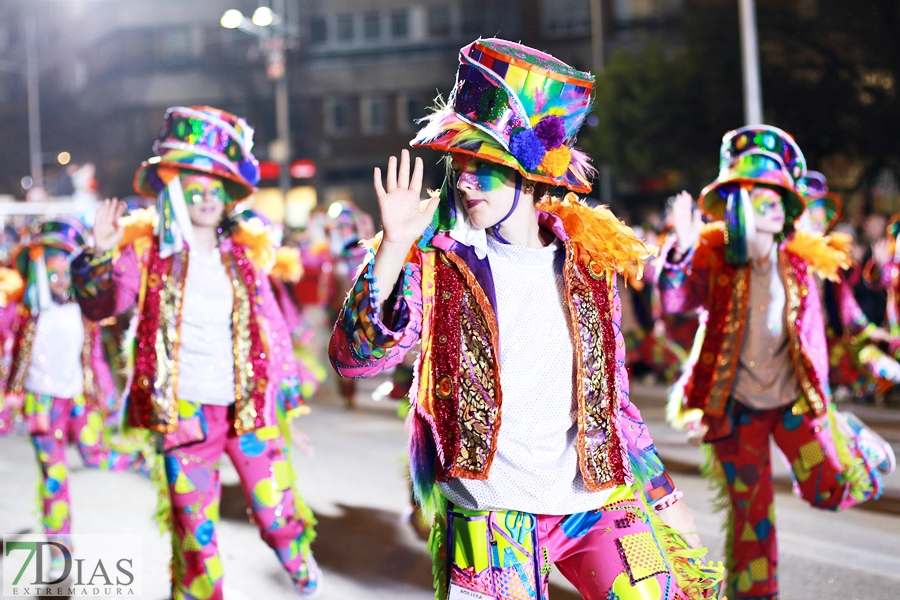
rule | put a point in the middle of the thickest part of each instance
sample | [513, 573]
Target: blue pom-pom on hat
[527, 148]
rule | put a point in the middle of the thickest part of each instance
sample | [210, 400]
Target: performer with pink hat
[214, 370]
[59, 368]
[525, 445]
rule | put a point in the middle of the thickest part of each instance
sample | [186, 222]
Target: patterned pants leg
[819, 478]
[71, 422]
[194, 488]
[609, 554]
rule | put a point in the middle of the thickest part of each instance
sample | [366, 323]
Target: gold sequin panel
[244, 376]
[477, 409]
[164, 408]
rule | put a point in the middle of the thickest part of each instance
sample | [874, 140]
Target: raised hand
[107, 231]
[687, 222]
[404, 215]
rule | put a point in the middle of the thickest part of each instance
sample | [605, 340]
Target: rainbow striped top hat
[757, 154]
[205, 140]
[519, 107]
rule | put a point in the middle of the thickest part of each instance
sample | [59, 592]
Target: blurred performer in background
[760, 367]
[525, 445]
[214, 370]
[857, 363]
[346, 227]
[59, 368]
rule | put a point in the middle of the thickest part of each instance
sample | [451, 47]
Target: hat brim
[454, 136]
[712, 201]
[145, 178]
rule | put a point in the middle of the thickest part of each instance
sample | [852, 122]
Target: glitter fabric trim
[796, 283]
[445, 359]
[713, 374]
[732, 332]
[21, 357]
[91, 389]
[588, 301]
[251, 366]
[479, 397]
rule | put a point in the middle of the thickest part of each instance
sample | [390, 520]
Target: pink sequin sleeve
[365, 341]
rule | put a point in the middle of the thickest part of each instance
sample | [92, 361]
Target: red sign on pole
[303, 169]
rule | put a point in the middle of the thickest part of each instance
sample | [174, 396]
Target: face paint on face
[58, 273]
[768, 208]
[198, 188]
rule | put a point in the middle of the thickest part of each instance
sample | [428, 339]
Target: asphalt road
[356, 483]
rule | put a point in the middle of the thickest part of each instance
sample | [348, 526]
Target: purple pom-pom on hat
[527, 148]
[551, 130]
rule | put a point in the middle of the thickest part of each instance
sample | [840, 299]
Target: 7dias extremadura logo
[72, 566]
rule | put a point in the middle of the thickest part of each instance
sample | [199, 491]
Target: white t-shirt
[206, 353]
[56, 368]
[535, 468]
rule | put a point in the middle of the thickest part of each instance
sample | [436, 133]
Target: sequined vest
[153, 396]
[710, 382]
[459, 378]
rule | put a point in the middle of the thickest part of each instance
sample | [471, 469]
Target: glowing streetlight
[63, 158]
[233, 18]
[263, 16]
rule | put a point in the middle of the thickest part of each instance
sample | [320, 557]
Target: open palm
[404, 215]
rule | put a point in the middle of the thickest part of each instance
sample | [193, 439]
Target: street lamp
[273, 34]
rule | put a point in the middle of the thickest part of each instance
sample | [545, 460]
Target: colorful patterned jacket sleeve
[646, 465]
[105, 288]
[684, 286]
[365, 342]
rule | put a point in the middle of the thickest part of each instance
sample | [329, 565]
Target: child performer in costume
[214, 371]
[58, 366]
[524, 440]
[760, 367]
[857, 362]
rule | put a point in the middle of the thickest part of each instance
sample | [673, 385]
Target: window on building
[318, 29]
[337, 116]
[560, 18]
[439, 21]
[409, 108]
[372, 25]
[399, 23]
[344, 28]
[373, 115]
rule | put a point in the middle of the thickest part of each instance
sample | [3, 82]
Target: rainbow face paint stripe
[485, 176]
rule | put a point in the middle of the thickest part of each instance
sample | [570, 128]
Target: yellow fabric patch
[284, 474]
[183, 485]
[214, 568]
[267, 433]
[748, 535]
[812, 454]
[642, 555]
[759, 569]
[190, 543]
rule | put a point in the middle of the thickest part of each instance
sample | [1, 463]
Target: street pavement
[357, 484]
